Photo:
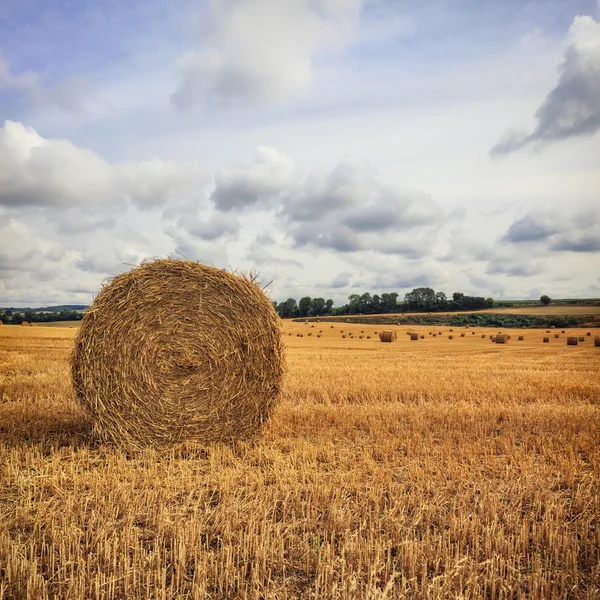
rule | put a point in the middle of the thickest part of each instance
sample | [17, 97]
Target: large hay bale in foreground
[173, 351]
[501, 339]
[388, 336]
[414, 336]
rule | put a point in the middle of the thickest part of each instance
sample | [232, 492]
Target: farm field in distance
[433, 468]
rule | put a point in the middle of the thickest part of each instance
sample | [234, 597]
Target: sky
[333, 146]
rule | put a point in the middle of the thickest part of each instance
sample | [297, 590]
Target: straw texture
[176, 351]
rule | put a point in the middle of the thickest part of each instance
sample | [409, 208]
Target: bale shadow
[23, 429]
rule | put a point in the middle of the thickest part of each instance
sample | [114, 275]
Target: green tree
[389, 302]
[17, 318]
[545, 300]
[317, 306]
[489, 302]
[441, 301]
[288, 309]
[304, 306]
[329, 306]
[30, 316]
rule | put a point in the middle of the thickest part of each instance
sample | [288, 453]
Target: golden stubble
[432, 468]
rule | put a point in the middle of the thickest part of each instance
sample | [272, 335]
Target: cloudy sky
[336, 146]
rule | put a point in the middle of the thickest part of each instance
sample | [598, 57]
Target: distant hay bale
[483, 335]
[175, 351]
[450, 329]
[521, 338]
[508, 337]
[368, 337]
[360, 337]
[414, 336]
[597, 341]
[289, 334]
[546, 340]
[571, 341]
[388, 336]
[557, 335]
[462, 335]
[435, 335]
[318, 335]
[588, 333]
[343, 336]
[582, 338]
[25, 324]
[309, 333]
[312, 326]
[331, 327]
[501, 339]
[563, 331]
[473, 332]
[422, 337]
[493, 338]
[547, 331]
[450, 337]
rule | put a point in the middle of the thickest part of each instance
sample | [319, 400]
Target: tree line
[422, 299]
[16, 318]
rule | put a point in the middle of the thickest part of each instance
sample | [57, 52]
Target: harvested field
[389, 470]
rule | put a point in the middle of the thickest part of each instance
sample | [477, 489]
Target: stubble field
[433, 468]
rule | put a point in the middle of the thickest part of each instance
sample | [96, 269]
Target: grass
[416, 469]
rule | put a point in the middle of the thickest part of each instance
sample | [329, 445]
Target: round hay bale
[318, 335]
[388, 336]
[597, 341]
[493, 338]
[175, 351]
[360, 337]
[588, 333]
[435, 335]
[462, 335]
[422, 337]
[25, 324]
[547, 331]
[343, 336]
[521, 338]
[563, 331]
[582, 338]
[557, 335]
[331, 327]
[450, 330]
[501, 339]
[414, 336]
[571, 341]
[450, 337]
[309, 334]
[368, 337]
[546, 340]
[473, 332]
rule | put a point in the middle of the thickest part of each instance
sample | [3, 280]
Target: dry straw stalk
[174, 350]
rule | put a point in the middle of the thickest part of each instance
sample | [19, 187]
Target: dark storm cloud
[530, 228]
[572, 108]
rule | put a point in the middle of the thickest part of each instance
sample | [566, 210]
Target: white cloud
[260, 51]
[10, 82]
[53, 172]
[257, 184]
[572, 108]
